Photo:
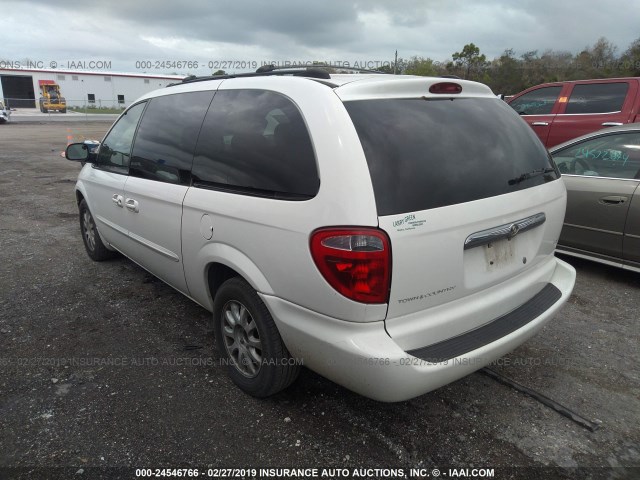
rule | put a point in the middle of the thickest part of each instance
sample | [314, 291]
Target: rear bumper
[364, 358]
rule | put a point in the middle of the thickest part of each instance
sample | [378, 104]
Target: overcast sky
[210, 32]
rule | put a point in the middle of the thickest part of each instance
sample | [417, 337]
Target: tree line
[510, 74]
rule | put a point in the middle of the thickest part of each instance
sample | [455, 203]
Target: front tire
[90, 236]
[246, 335]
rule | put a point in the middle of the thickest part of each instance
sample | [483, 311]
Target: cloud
[126, 31]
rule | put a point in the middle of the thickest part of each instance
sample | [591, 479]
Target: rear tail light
[446, 88]
[355, 261]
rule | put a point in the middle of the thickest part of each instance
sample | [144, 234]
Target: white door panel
[153, 218]
[101, 187]
[104, 185]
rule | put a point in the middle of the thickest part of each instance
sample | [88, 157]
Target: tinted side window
[432, 153]
[537, 102]
[115, 150]
[256, 142]
[616, 156]
[167, 137]
[597, 98]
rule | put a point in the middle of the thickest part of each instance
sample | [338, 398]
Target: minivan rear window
[425, 153]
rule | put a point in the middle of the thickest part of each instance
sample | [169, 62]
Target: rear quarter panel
[267, 240]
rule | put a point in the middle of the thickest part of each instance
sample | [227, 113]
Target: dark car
[602, 173]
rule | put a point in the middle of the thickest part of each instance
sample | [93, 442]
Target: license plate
[499, 254]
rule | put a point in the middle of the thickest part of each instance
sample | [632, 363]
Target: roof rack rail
[316, 71]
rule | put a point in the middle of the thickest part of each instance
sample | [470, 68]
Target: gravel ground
[102, 365]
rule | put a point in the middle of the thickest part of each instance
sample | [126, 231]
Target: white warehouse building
[20, 88]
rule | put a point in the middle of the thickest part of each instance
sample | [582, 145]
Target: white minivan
[391, 233]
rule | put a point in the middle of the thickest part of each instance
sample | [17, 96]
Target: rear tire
[90, 236]
[246, 335]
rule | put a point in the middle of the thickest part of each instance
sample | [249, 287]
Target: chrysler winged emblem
[513, 230]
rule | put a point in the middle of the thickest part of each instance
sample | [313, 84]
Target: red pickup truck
[564, 110]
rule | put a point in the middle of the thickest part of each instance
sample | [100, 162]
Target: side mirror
[77, 152]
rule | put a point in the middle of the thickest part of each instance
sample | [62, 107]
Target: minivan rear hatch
[465, 191]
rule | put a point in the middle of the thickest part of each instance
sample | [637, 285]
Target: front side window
[255, 142]
[425, 153]
[115, 150]
[615, 156]
[537, 102]
[597, 98]
[167, 137]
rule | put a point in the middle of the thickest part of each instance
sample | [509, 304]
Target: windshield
[424, 153]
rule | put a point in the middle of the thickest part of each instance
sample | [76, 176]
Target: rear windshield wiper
[528, 175]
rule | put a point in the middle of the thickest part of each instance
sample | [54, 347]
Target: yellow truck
[50, 97]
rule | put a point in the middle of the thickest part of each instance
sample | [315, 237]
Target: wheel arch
[217, 272]
[221, 262]
[79, 196]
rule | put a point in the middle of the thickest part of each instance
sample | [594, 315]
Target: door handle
[613, 200]
[117, 199]
[540, 124]
[132, 205]
[612, 124]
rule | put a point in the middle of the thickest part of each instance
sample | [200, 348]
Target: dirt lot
[101, 365]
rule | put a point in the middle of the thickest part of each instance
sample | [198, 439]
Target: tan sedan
[602, 173]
